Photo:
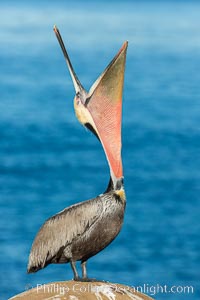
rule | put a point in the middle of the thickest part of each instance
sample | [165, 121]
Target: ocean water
[47, 161]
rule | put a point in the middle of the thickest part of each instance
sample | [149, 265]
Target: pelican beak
[101, 109]
[77, 85]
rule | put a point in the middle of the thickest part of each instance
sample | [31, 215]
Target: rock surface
[74, 290]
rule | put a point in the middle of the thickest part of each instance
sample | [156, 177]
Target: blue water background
[48, 161]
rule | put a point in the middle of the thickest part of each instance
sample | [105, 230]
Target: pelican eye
[78, 94]
[78, 98]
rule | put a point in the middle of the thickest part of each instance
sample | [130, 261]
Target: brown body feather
[78, 232]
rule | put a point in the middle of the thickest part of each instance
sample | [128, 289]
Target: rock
[75, 290]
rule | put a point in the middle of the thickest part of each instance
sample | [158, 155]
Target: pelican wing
[61, 230]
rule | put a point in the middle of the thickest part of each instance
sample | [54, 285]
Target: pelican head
[100, 109]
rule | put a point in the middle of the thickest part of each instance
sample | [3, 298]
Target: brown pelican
[82, 230]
